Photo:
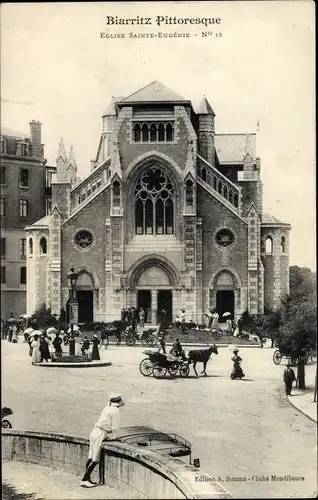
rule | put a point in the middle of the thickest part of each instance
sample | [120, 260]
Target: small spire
[257, 126]
[71, 158]
[61, 151]
[205, 107]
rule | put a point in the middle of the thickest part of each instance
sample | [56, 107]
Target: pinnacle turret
[205, 107]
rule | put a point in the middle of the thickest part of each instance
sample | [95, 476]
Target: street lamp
[72, 308]
[72, 278]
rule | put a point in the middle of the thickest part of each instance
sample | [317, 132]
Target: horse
[201, 356]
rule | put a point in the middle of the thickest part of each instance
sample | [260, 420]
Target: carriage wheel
[152, 340]
[277, 357]
[130, 341]
[159, 371]
[146, 367]
[5, 424]
[184, 370]
[144, 340]
[173, 369]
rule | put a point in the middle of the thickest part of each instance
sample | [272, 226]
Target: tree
[42, 317]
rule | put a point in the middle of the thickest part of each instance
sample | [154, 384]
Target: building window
[89, 190]
[43, 245]
[48, 178]
[3, 248]
[48, 207]
[153, 132]
[23, 275]
[3, 206]
[99, 183]
[30, 246]
[24, 177]
[224, 238]
[93, 188]
[3, 274]
[83, 195]
[154, 203]
[3, 176]
[189, 193]
[23, 248]
[24, 208]
[23, 148]
[137, 133]
[268, 245]
[283, 244]
[116, 194]
[203, 174]
[83, 238]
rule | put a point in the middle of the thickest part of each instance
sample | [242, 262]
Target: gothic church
[171, 216]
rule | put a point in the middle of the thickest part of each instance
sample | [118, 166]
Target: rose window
[224, 238]
[83, 238]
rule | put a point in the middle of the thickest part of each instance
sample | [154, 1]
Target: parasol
[12, 320]
[226, 314]
[51, 329]
[28, 330]
[25, 316]
[75, 329]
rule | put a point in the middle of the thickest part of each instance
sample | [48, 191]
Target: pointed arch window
[154, 202]
[145, 133]
[219, 184]
[189, 193]
[116, 194]
[169, 132]
[161, 132]
[283, 244]
[31, 246]
[268, 245]
[203, 174]
[43, 245]
[137, 133]
[225, 191]
[153, 132]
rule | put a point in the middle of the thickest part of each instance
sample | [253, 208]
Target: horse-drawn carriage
[158, 365]
[290, 353]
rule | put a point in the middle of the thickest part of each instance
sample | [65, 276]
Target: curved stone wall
[135, 473]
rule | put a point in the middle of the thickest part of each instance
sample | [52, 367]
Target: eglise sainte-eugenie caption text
[161, 21]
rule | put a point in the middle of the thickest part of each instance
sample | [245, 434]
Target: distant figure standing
[162, 342]
[163, 321]
[57, 344]
[85, 347]
[289, 378]
[182, 317]
[129, 316]
[134, 318]
[215, 320]
[123, 315]
[95, 350]
[142, 317]
[14, 337]
[240, 326]
[108, 423]
[44, 348]
[209, 315]
[36, 354]
[229, 326]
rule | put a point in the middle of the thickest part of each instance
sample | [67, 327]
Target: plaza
[242, 431]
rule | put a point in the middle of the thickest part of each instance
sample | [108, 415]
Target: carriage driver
[107, 424]
[177, 349]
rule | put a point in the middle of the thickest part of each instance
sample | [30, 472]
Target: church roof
[270, 219]
[45, 221]
[154, 92]
[204, 108]
[5, 131]
[231, 148]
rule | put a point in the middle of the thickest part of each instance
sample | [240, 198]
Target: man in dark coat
[289, 378]
[163, 321]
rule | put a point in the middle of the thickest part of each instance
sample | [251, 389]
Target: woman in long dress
[215, 321]
[95, 350]
[36, 354]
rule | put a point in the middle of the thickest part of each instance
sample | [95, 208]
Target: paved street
[238, 429]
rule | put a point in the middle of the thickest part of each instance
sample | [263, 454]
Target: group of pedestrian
[133, 316]
[85, 348]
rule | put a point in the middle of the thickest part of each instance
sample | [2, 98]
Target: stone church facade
[170, 216]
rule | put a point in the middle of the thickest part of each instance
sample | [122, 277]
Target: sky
[257, 64]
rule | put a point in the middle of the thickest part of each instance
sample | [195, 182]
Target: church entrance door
[144, 300]
[224, 303]
[165, 302]
[85, 306]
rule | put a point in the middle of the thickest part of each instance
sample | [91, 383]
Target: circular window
[83, 238]
[224, 238]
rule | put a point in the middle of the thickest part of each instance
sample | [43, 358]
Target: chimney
[35, 135]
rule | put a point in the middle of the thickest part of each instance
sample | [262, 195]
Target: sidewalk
[303, 400]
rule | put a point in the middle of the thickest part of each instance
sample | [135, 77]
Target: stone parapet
[133, 471]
